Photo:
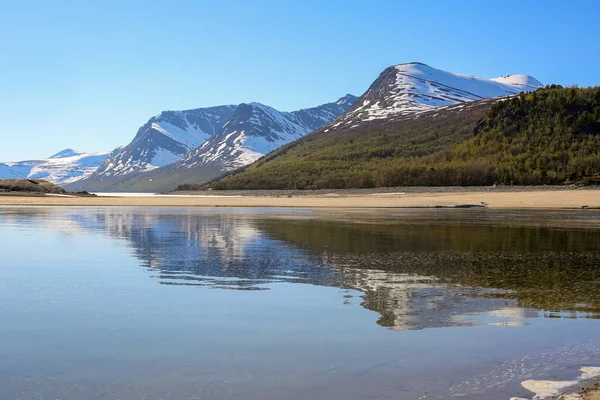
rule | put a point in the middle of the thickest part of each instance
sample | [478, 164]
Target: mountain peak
[405, 90]
[348, 98]
[66, 153]
[164, 139]
[257, 105]
[256, 129]
[412, 63]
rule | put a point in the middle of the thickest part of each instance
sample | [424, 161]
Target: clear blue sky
[87, 74]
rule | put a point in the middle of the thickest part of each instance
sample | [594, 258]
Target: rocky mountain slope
[164, 139]
[255, 130]
[239, 136]
[409, 89]
[65, 167]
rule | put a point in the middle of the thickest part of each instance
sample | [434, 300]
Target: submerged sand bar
[537, 199]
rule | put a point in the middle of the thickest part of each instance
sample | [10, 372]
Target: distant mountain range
[62, 168]
[196, 146]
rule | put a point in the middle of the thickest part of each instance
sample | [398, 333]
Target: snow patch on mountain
[409, 89]
[164, 139]
[64, 167]
[191, 136]
[519, 81]
[256, 129]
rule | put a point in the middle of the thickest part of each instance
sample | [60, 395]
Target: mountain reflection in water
[417, 270]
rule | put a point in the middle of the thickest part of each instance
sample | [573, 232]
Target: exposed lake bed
[505, 197]
[279, 303]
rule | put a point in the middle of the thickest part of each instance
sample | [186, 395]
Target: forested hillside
[549, 136]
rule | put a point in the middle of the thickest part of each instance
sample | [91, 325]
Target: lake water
[168, 303]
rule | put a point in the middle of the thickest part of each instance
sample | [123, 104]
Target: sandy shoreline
[538, 199]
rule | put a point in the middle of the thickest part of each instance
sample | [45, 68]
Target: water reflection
[416, 271]
[421, 272]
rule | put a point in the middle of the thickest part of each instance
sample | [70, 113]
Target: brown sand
[592, 393]
[567, 199]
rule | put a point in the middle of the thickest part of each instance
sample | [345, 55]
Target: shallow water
[132, 303]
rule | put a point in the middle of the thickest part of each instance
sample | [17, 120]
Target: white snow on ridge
[164, 139]
[191, 138]
[519, 81]
[290, 129]
[409, 89]
[65, 167]
[228, 136]
[263, 115]
[258, 130]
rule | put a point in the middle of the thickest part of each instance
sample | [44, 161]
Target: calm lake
[174, 303]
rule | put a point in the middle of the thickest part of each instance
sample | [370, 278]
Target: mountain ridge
[407, 89]
[164, 139]
[257, 129]
[250, 131]
[215, 140]
[66, 166]
[547, 136]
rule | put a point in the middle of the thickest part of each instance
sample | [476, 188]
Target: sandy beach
[537, 199]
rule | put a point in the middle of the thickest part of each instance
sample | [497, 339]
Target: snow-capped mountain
[64, 167]
[408, 89]
[317, 117]
[164, 139]
[256, 129]
[173, 145]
